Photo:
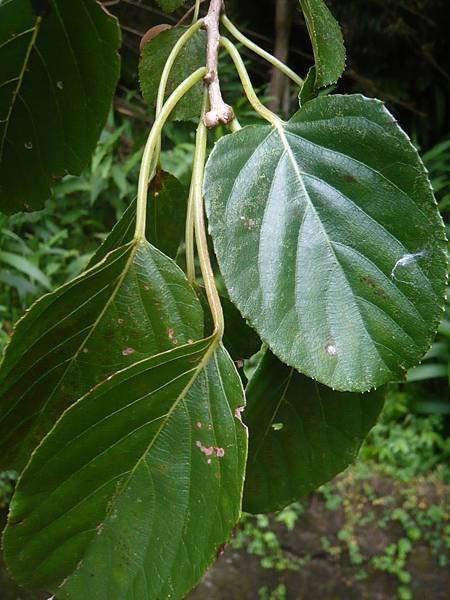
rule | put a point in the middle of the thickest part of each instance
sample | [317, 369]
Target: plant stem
[247, 84]
[189, 238]
[200, 229]
[163, 83]
[153, 138]
[219, 112]
[235, 125]
[245, 41]
[196, 10]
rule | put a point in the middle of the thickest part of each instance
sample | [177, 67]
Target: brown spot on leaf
[128, 351]
[374, 285]
[350, 179]
[210, 450]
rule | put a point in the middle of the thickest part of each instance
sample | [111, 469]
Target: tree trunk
[279, 85]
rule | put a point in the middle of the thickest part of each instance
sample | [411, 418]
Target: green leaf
[327, 41]
[329, 240]
[170, 5]
[428, 371]
[301, 433]
[166, 216]
[58, 70]
[153, 59]
[25, 266]
[308, 91]
[134, 304]
[239, 338]
[138, 485]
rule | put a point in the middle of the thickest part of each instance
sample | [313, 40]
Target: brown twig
[219, 112]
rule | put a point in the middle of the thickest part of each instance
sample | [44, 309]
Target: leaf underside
[329, 240]
[143, 483]
[301, 434]
[191, 57]
[327, 42]
[134, 304]
[308, 90]
[58, 72]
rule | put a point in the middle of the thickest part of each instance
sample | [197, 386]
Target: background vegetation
[397, 52]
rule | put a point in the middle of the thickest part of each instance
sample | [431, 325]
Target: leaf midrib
[180, 398]
[290, 154]
[92, 330]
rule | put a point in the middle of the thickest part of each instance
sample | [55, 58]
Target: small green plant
[279, 593]
[255, 536]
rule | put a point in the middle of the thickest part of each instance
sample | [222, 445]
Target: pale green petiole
[198, 24]
[200, 229]
[152, 142]
[245, 41]
[247, 84]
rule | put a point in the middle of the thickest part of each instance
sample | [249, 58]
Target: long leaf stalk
[151, 145]
[245, 41]
[200, 228]
[198, 24]
[258, 106]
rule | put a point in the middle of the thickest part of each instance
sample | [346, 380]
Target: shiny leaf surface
[329, 240]
[302, 434]
[143, 483]
[135, 303]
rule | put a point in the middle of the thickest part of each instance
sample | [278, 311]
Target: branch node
[220, 112]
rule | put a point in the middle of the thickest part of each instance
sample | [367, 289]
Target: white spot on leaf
[331, 349]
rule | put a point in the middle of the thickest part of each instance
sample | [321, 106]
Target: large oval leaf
[329, 240]
[327, 42]
[301, 434]
[135, 303]
[133, 492]
[58, 70]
